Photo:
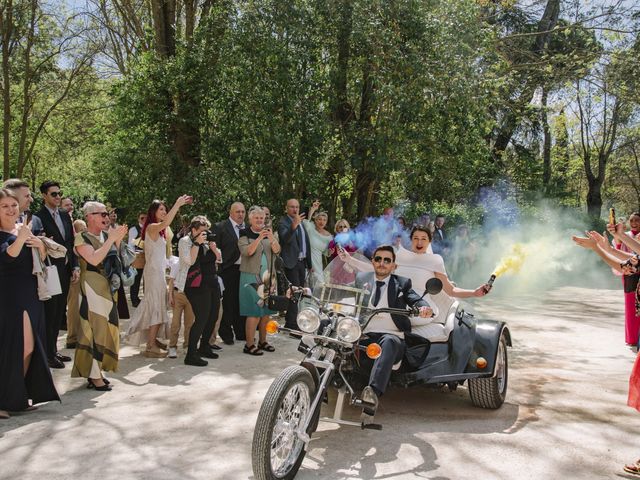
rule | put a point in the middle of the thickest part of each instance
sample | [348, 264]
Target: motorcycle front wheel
[277, 451]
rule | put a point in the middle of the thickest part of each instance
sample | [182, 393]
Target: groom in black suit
[387, 291]
[295, 253]
[56, 224]
[227, 235]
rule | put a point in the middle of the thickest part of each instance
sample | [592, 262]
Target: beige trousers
[214, 335]
[181, 304]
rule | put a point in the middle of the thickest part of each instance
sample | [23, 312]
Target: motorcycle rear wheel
[277, 452]
[491, 392]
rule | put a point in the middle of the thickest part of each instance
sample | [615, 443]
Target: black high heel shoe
[104, 379]
[103, 388]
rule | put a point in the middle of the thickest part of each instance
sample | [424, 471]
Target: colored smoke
[512, 262]
[530, 248]
[374, 231]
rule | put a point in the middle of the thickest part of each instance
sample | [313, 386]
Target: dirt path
[565, 414]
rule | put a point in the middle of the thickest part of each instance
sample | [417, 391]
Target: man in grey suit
[295, 253]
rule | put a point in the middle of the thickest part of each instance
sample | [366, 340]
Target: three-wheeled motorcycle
[456, 347]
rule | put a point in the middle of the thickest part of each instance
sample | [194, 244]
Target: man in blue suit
[296, 253]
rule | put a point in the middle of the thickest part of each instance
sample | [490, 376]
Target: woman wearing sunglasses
[342, 229]
[99, 335]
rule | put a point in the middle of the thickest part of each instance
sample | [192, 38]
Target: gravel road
[565, 415]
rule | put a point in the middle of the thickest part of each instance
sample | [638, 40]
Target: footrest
[358, 402]
[370, 426]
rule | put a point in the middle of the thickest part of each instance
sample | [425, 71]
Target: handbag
[52, 279]
[127, 255]
[194, 278]
[139, 261]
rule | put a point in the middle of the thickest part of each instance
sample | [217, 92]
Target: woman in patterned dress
[99, 335]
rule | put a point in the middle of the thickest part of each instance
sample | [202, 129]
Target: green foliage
[361, 104]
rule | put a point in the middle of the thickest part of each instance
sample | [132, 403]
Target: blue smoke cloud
[374, 231]
[500, 207]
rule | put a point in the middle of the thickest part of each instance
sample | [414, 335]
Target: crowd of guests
[214, 278]
[622, 254]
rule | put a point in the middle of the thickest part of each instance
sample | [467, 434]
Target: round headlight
[308, 320]
[348, 329]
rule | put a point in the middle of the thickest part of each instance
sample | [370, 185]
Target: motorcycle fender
[313, 371]
[487, 337]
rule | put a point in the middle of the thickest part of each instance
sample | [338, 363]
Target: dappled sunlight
[564, 415]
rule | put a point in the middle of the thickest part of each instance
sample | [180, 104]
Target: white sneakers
[173, 352]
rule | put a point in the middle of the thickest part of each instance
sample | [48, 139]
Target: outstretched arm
[590, 243]
[155, 228]
[453, 291]
[618, 233]
[359, 265]
[603, 244]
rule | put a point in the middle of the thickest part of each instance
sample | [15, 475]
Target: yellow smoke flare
[513, 261]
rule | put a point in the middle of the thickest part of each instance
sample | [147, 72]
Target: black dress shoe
[207, 353]
[55, 363]
[63, 358]
[370, 398]
[102, 388]
[71, 345]
[229, 342]
[195, 361]
[215, 347]
[104, 379]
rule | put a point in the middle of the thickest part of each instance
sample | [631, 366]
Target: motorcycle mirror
[433, 286]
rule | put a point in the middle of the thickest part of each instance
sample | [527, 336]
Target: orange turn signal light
[374, 350]
[272, 327]
[481, 363]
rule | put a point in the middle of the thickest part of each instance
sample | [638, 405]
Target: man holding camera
[296, 253]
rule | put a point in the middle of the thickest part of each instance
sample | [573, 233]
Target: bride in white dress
[151, 320]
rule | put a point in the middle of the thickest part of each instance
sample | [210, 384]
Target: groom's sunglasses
[379, 259]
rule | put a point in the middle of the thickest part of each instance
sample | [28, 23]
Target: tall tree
[43, 58]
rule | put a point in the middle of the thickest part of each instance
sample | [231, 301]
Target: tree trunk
[546, 147]
[6, 17]
[164, 26]
[365, 187]
[501, 136]
[341, 109]
[368, 175]
[594, 197]
[27, 100]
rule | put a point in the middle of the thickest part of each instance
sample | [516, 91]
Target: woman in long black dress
[25, 378]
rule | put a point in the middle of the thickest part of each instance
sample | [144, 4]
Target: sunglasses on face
[386, 260]
[56, 194]
[102, 214]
